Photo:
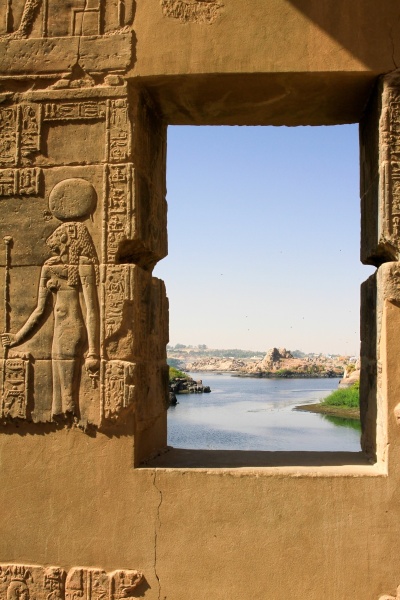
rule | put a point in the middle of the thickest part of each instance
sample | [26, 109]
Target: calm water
[257, 414]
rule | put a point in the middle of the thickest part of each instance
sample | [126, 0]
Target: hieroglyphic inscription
[87, 584]
[14, 399]
[118, 288]
[62, 111]
[8, 135]
[118, 208]
[19, 133]
[118, 132]
[54, 583]
[23, 182]
[29, 129]
[123, 583]
[20, 582]
[390, 165]
[8, 182]
[118, 387]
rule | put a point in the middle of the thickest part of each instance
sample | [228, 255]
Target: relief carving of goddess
[73, 270]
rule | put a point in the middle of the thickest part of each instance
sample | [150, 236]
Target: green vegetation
[176, 373]
[344, 398]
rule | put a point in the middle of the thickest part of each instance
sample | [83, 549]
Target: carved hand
[92, 364]
[8, 339]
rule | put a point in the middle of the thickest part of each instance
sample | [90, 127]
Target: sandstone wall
[87, 90]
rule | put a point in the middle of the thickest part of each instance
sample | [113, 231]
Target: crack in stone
[157, 526]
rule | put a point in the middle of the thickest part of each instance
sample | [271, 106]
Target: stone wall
[92, 503]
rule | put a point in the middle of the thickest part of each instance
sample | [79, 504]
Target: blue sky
[264, 237]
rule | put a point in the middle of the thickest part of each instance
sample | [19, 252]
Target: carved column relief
[71, 155]
[8, 136]
[380, 191]
[118, 131]
[23, 582]
[118, 208]
[380, 246]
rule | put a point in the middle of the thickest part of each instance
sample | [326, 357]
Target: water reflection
[342, 422]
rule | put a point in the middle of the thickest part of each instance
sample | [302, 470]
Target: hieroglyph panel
[390, 165]
[73, 317]
[26, 582]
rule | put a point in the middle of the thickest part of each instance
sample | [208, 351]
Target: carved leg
[28, 16]
[68, 382]
[56, 408]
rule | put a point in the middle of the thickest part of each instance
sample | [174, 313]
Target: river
[257, 414]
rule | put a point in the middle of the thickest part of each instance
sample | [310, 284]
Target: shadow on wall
[355, 25]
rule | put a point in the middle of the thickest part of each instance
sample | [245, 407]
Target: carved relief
[118, 130]
[72, 271]
[124, 583]
[118, 209]
[29, 129]
[24, 182]
[8, 135]
[19, 582]
[30, 12]
[118, 288]
[118, 388]
[75, 18]
[191, 11]
[8, 182]
[87, 584]
[390, 165]
[76, 359]
[65, 111]
[15, 390]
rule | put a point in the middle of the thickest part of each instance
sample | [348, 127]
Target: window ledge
[296, 464]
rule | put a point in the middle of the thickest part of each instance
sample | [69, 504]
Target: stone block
[380, 174]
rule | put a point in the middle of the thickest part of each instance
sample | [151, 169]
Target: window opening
[263, 226]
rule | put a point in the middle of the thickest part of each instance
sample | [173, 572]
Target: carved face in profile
[58, 242]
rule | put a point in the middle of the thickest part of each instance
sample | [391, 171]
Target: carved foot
[15, 35]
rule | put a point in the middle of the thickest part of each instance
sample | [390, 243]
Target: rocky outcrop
[185, 385]
[351, 374]
[277, 362]
[272, 360]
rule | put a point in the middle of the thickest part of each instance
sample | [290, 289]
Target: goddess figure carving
[73, 270]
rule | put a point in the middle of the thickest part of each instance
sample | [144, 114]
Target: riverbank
[333, 411]
[343, 402]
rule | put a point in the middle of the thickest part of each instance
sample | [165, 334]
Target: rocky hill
[276, 363]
